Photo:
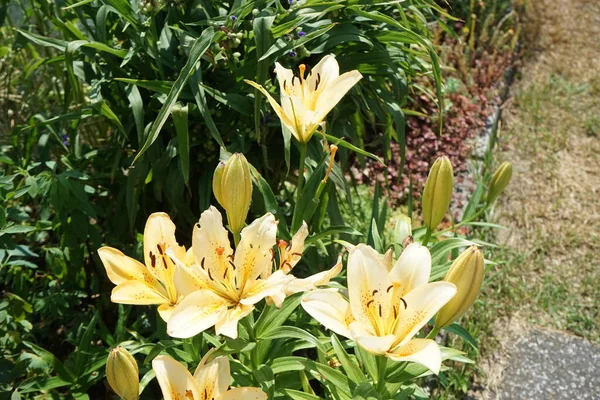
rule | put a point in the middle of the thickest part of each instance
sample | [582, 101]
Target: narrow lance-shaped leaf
[198, 49]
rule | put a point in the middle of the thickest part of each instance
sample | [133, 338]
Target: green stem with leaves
[300, 185]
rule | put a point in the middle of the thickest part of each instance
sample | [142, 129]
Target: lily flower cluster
[209, 284]
[214, 284]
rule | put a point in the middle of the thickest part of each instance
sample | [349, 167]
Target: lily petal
[121, 268]
[318, 279]
[369, 288]
[329, 308]
[159, 236]
[174, 379]
[412, 268]
[138, 293]
[325, 72]
[244, 393]
[254, 252]
[261, 288]
[284, 77]
[293, 254]
[211, 246]
[372, 343]
[228, 325]
[196, 313]
[422, 304]
[334, 93]
[276, 107]
[165, 310]
[421, 351]
[213, 377]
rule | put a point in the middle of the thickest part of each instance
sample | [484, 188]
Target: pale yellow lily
[153, 282]
[210, 381]
[307, 98]
[387, 304]
[222, 287]
[289, 255]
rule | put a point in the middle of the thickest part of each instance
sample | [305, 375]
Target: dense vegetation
[112, 110]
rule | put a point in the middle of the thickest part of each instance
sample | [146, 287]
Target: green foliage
[122, 108]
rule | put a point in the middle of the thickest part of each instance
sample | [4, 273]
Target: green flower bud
[232, 187]
[217, 180]
[499, 181]
[466, 273]
[122, 373]
[438, 192]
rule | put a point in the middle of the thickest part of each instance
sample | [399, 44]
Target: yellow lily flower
[210, 381]
[387, 305]
[289, 255]
[307, 98]
[222, 286]
[152, 283]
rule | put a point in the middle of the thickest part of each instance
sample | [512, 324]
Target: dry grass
[550, 269]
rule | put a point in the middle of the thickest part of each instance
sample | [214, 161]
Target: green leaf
[64, 373]
[341, 142]
[292, 332]
[282, 46]
[198, 49]
[200, 97]
[463, 333]
[124, 9]
[13, 229]
[82, 356]
[297, 395]
[137, 109]
[441, 249]
[180, 120]
[272, 317]
[350, 366]
[332, 230]
[270, 202]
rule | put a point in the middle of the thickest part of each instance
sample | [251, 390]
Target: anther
[202, 263]
[369, 303]
[404, 302]
[160, 250]
[152, 260]
[232, 264]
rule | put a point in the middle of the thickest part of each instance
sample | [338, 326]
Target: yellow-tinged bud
[438, 192]
[403, 229]
[217, 179]
[235, 190]
[499, 181]
[122, 373]
[466, 273]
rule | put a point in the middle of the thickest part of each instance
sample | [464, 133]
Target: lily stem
[433, 332]
[381, 371]
[427, 236]
[300, 185]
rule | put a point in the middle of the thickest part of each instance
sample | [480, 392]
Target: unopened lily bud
[217, 180]
[499, 181]
[235, 190]
[466, 273]
[122, 373]
[403, 229]
[438, 192]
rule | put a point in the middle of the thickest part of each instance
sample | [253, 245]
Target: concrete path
[552, 366]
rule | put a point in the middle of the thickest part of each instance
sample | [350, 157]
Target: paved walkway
[552, 366]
